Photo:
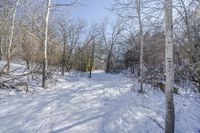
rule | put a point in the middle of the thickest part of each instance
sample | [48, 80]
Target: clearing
[102, 104]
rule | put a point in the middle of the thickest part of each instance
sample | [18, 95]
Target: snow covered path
[73, 106]
[98, 105]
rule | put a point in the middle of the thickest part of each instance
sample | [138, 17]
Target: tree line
[154, 42]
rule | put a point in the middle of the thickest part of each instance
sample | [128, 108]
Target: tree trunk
[1, 49]
[92, 59]
[64, 59]
[170, 116]
[27, 64]
[11, 35]
[108, 63]
[44, 78]
[141, 45]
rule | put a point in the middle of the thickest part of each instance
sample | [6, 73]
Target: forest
[137, 70]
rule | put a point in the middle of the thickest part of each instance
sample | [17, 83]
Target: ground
[103, 104]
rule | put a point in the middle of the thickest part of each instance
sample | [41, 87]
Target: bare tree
[44, 76]
[141, 10]
[112, 41]
[91, 59]
[92, 39]
[46, 38]
[74, 33]
[170, 116]
[4, 13]
[11, 35]
[63, 30]
[138, 3]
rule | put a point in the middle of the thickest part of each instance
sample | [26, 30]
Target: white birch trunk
[141, 44]
[44, 78]
[169, 120]
[11, 35]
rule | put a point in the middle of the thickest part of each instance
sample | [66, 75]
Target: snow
[103, 104]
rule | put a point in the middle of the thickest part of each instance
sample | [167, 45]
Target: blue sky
[93, 11]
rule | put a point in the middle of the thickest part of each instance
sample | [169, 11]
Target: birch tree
[170, 116]
[11, 35]
[143, 12]
[44, 77]
[138, 3]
